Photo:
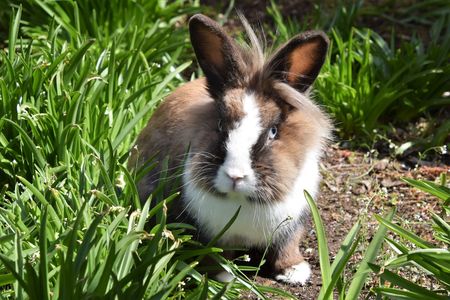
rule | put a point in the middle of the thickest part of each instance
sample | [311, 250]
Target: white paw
[297, 274]
[224, 277]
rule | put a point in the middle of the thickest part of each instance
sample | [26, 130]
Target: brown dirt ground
[357, 185]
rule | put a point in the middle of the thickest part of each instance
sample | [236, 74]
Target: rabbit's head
[265, 127]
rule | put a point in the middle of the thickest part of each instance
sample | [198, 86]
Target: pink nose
[235, 179]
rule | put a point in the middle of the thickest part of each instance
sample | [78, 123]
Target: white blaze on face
[236, 173]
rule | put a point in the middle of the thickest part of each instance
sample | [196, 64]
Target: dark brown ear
[298, 62]
[216, 53]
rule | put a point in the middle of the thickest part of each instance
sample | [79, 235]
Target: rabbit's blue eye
[273, 132]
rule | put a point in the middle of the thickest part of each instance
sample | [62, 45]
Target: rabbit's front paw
[224, 277]
[297, 274]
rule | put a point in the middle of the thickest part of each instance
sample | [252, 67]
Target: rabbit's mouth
[221, 185]
[232, 194]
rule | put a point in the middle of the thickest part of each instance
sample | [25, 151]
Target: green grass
[410, 251]
[333, 276]
[368, 81]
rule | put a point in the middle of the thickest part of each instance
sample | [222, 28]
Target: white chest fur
[256, 224]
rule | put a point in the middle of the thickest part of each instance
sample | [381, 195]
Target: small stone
[381, 165]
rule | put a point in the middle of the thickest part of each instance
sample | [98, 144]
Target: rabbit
[247, 136]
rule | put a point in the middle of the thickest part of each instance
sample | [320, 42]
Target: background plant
[367, 80]
[333, 276]
[411, 251]
[432, 259]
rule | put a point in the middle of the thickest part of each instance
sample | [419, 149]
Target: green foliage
[77, 84]
[411, 250]
[406, 13]
[333, 277]
[102, 19]
[348, 86]
[432, 259]
[367, 80]
[60, 101]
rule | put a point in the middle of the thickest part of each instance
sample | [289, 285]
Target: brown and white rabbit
[254, 140]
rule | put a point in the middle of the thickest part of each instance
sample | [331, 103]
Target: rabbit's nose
[235, 178]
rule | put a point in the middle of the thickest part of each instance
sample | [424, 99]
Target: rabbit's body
[253, 140]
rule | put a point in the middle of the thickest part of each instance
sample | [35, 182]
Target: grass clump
[411, 251]
[333, 275]
[69, 110]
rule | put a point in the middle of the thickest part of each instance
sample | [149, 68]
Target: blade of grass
[76, 60]
[41, 199]
[29, 144]
[9, 265]
[345, 252]
[324, 255]
[19, 266]
[346, 245]
[404, 283]
[393, 293]
[224, 229]
[363, 271]
[405, 233]
[440, 191]
[6, 279]
[223, 291]
[13, 33]
[43, 263]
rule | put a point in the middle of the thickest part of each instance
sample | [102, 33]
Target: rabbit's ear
[298, 62]
[216, 53]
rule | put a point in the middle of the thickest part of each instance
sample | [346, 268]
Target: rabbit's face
[257, 147]
[240, 127]
[251, 128]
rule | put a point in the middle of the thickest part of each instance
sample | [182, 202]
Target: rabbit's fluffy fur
[253, 139]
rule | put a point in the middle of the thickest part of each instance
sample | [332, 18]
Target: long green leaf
[41, 198]
[6, 279]
[372, 250]
[13, 33]
[346, 250]
[76, 60]
[43, 262]
[9, 265]
[440, 191]
[404, 283]
[324, 255]
[397, 294]
[405, 233]
[29, 143]
[224, 229]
